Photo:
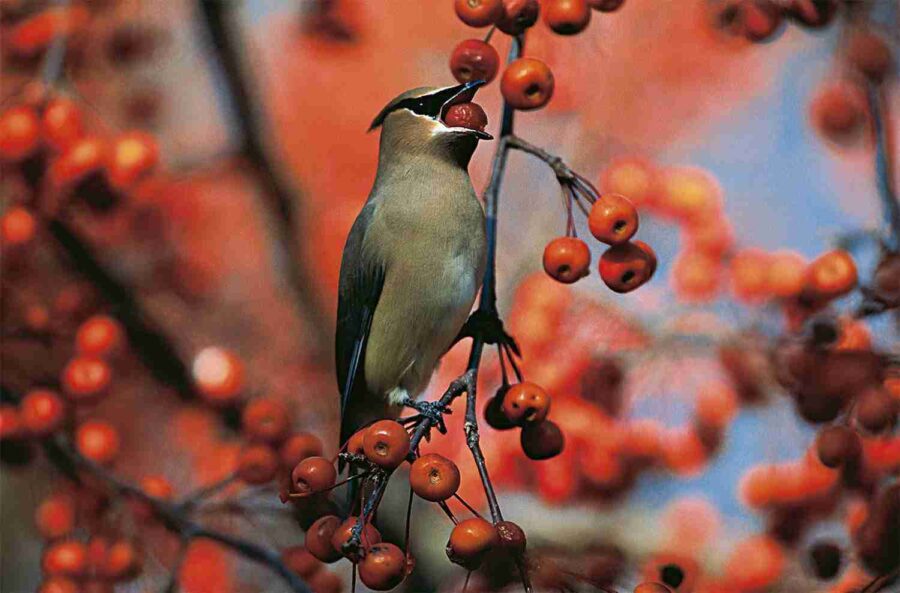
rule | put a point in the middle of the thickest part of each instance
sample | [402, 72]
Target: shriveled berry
[386, 443]
[470, 541]
[526, 403]
[478, 13]
[493, 412]
[567, 17]
[626, 267]
[318, 538]
[257, 464]
[613, 219]
[368, 537]
[542, 440]
[526, 84]
[313, 474]
[474, 59]
[42, 412]
[383, 567]
[265, 420]
[466, 115]
[567, 259]
[434, 477]
[837, 445]
[518, 15]
[511, 537]
[298, 447]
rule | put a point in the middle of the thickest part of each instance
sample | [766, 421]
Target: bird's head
[414, 122]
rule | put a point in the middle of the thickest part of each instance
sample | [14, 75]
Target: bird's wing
[361, 281]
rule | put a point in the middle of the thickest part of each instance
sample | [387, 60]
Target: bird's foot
[432, 410]
[488, 326]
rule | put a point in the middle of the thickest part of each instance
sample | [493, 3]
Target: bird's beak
[463, 93]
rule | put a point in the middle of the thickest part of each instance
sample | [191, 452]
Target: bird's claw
[489, 327]
[433, 411]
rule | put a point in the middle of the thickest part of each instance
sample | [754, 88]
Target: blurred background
[220, 268]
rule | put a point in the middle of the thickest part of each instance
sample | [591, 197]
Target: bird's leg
[487, 325]
[432, 410]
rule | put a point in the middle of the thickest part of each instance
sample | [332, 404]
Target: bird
[413, 261]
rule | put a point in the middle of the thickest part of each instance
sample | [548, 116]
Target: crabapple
[383, 567]
[832, 275]
[10, 422]
[257, 464]
[567, 17]
[55, 516]
[66, 558]
[19, 133]
[526, 403]
[218, 375]
[470, 541]
[493, 412]
[132, 156]
[85, 378]
[613, 219]
[466, 115]
[386, 443]
[313, 474]
[266, 420]
[478, 13]
[298, 447]
[812, 13]
[59, 585]
[368, 536]
[875, 410]
[299, 560]
[17, 227]
[606, 5]
[122, 561]
[61, 123]
[518, 15]
[627, 266]
[97, 441]
[567, 259]
[42, 412]
[98, 336]
[318, 538]
[474, 59]
[85, 156]
[526, 84]
[511, 537]
[870, 54]
[760, 19]
[434, 477]
[542, 440]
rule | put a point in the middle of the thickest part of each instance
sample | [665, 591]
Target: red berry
[527, 84]
[59, 585]
[760, 19]
[19, 133]
[218, 375]
[831, 275]
[85, 378]
[606, 5]
[66, 558]
[567, 17]
[265, 420]
[613, 219]
[157, 487]
[567, 259]
[85, 156]
[836, 445]
[876, 411]
[386, 443]
[318, 538]
[55, 516]
[17, 227]
[122, 561]
[526, 403]
[355, 442]
[97, 441]
[478, 13]
[300, 561]
[133, 155]
[812, 13]
[10, 422]
[42, 412]
[518, 15]
[298, 447]
[474, 59]
[313, 474]
[383, 567]
[470, 541]
[98, 336]
[839, 112]
[257, 464]
[61, 124]
[511, 537]
[493, 412]
[627, 266]
[466, 115]
[434, 477]
[542, 440]
[369, 537]
[870, 54]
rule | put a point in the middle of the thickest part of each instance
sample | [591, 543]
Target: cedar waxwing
[413, 262]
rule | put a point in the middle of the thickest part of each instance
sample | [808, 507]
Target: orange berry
[19, 133]
[760, 19]
[839, 112]
[157, 487]
[527, 84]
[383, 567]
[55, 516]
[832, 275]
[59, 585]
[567, 259]
[633, 177]
[750, 275]
[85, 378]
[17, 227]
[218, 375]
[386, 443]
[875, 410]
[67, 558]
[257, 464]
[31, 36]
[355, 442]
[368, 537]
[42, 412]
[478, 13]
[518, 15]
[786, 274]
[300, 561]
[434, 477]
[542, 440]
[133, 155]
[84, 157]
[298, 447]
[313, 474]
[470, 541]
[10, 422]
[567, 17]
[613, 219]
[627, 266]
[98, 336]
[318, 538]
[266, 420]
[716, 404]
[61, 123]
[526, 403]
[695, 276]
[755, 563]
[97, 441]
[474, 59]
[122, 561]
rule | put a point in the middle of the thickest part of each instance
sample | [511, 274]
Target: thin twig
[884, 171]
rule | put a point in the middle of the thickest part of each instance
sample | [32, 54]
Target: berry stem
[205, 492]
[884, 165]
